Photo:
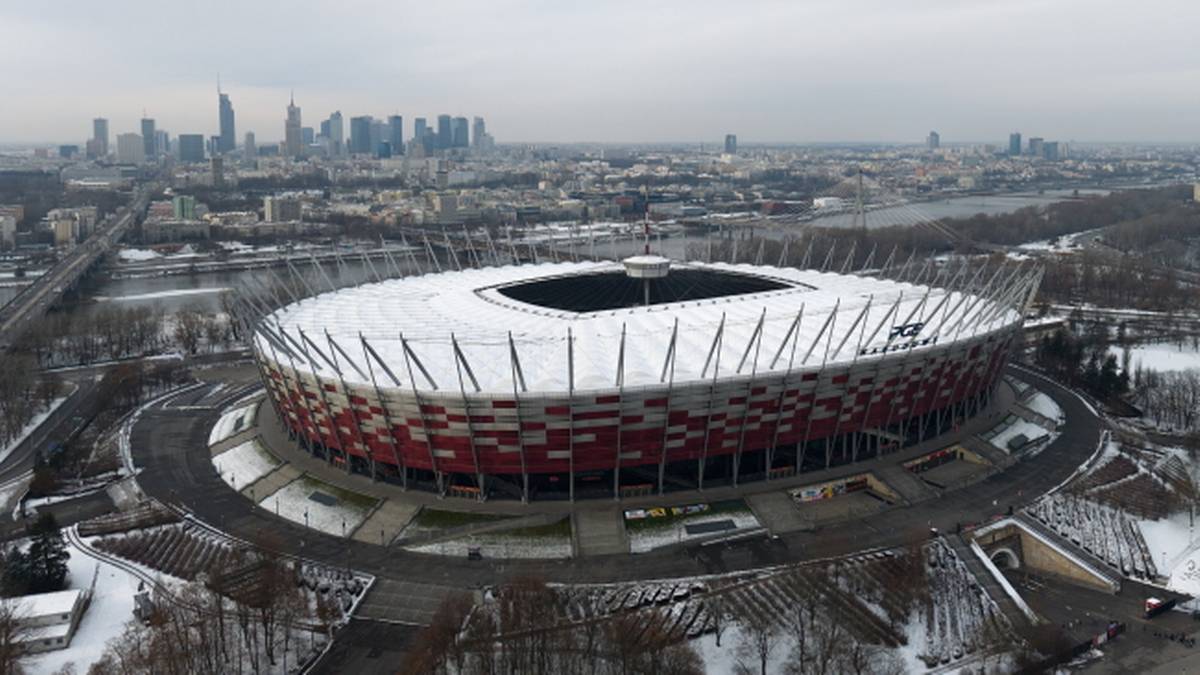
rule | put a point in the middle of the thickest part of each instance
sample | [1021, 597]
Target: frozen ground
[1160, 356]
[30, 427]
[243, 464]
[1045, 406]
[111, 608]
[233, 422]
[295, 502]
[672, 531]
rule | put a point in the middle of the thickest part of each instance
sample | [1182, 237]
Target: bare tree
[12, 636]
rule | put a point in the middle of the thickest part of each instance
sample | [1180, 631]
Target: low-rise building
[48, 620]
[162, 231]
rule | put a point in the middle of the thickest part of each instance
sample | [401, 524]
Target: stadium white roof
[840, 311]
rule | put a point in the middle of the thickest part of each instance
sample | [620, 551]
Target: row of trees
[1108, 281]
[514, 632]
[1079, 362]
[1169, 398]
[113, 332]
[23, 394]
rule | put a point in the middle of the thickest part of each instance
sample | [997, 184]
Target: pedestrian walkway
[405, 602]
[1030, 416]
[991, 453]
[600, 531]
[270, 483]
[911, 488]
[777, 512]
[988, 582]
[386, 522]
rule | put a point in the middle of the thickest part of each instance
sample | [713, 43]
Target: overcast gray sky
[613, 70]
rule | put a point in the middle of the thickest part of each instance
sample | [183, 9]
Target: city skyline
[867, 71]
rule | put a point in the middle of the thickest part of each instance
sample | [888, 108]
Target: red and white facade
[441, 374]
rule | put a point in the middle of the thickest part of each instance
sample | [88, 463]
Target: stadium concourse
[645, 376]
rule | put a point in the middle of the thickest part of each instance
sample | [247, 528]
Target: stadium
[618, 378]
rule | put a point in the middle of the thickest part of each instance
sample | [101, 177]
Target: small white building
[49, 620]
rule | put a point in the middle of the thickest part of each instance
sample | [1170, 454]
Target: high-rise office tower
[130, 149]
[459, 133]
[1014, 144]
[444, 135]
[1050, 150]
[228, 136]
[478, 132]
[337, 133]
[1035, 146]
[324, 132]
[307, 136]
[249, 149]
[378, 134]
[162, 141]
[731, 144]
[191, 147]
[100, 136]
[360, 135]
[933, 141]
[293, 144]
[419, 127]
[396, 134]
[149, 138]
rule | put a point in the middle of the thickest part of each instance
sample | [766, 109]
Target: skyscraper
[1035, 146]
[419, 128]
[337, 133]
[307, 136]
[396, 134]
[292, 143]
[191, 147]
[228, 137]
[100, 136]
[162, 141]
[933, 141]
[444, 135]
[149, 139]
[731, 144]
[1050, 150]
[1014, 143]
[249, 149]
[130, 149]
[360, 135]
[478, 132]
[459, 131]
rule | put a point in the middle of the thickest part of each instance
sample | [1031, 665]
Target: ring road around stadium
[585, 379]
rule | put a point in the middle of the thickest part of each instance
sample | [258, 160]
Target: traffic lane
[166, 443]
[69, 419]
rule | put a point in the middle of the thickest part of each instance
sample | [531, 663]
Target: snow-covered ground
[243, 464]
[1045, 406]
[1160, 356]
[137, 254]
[30, 428]
[1014, 429]
[232, 422]
[1172, 543]
[294, 501]
[673, 531]
[501, 545]
[111, 608]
